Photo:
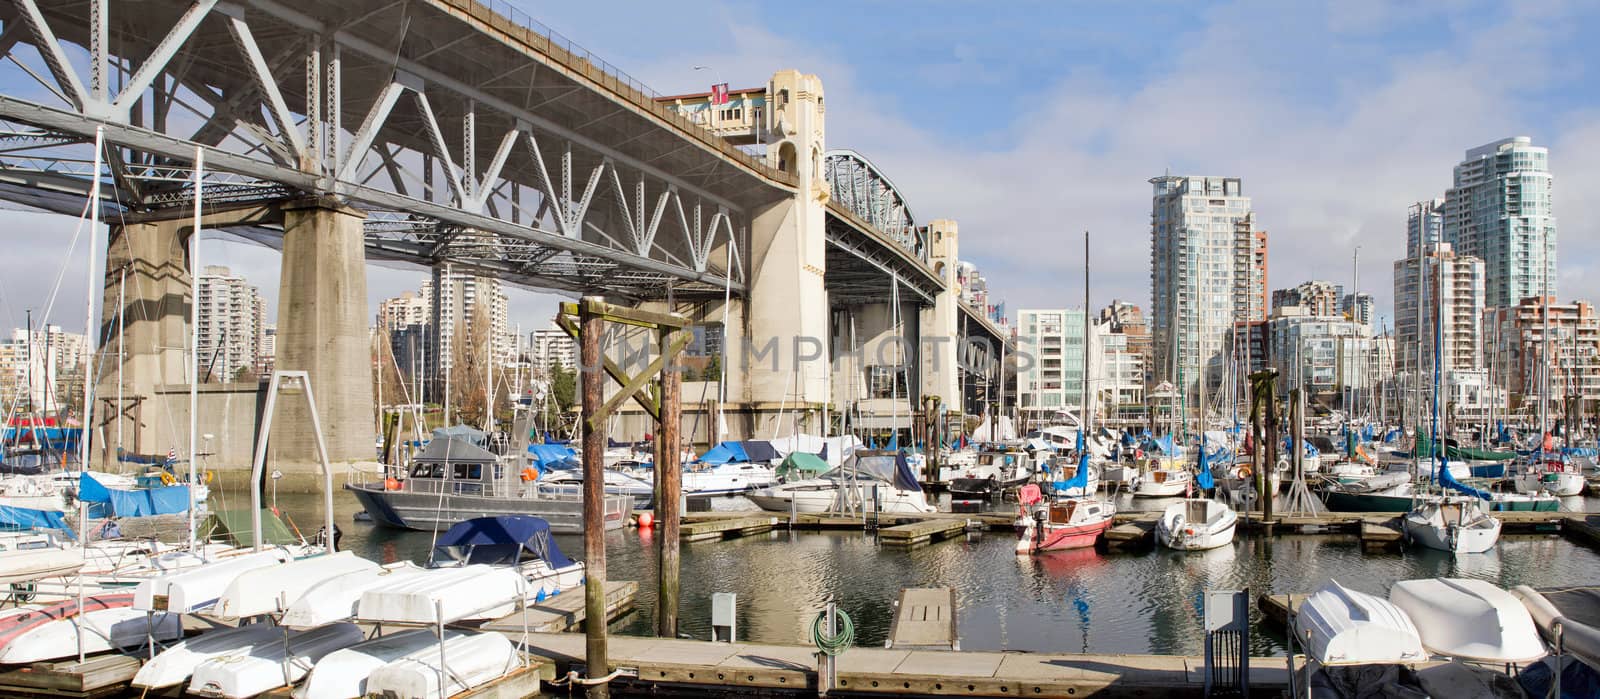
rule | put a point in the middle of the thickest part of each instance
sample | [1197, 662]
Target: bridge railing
[610, 76]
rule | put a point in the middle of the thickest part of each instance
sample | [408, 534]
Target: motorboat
[268, 666]
[1064, 471]
[1164, 483]
[1059, 525]
[868, 481]
[1469, 619]
[727, 479]
[174, 666]
[1341, 626]
[568, 482]
[524, 543]
[1549, 477]
[1455, 523]
[271, 589]
[336, 599]
[472, 660]
[343, 673]
[454, 480]
[1196, 524]
[198, 588]
[445, 595]
[105, 621]
[992, 472]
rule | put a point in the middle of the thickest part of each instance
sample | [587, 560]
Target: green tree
[713, 370]
[563, 393]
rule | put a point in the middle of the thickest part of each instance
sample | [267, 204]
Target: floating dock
[97, 676]
[743, 669]
[725, 528]
[565, 612]
[912, 534]
[924, 619]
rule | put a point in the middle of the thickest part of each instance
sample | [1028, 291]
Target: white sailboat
[866, 478]
[1454, 523]
[1196, 524]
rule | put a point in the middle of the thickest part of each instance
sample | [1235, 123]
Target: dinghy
[343, 674]
[335, 599]
[1340, 626]
[268, 666]
[198, 588]
[38, 564]
[174, 665]
[1469, 620]
[271, 589]
[473, 660]
[1196, 524]
[107, 622]
[1458, 524]
[445, 595]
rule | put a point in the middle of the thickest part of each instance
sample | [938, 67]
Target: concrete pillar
[940, 376]
[322, 329]
[148, 284]
[788, 301]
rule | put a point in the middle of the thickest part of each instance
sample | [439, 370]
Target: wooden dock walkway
[755, 669]
[924, 619]
[920, 533]
[725, 528]
[565, 612]
[97, 676]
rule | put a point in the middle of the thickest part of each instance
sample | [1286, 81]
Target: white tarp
[838, 447]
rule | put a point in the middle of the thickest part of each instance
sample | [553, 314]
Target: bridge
[438, 132]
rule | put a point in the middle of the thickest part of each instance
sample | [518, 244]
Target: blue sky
[1029, 122]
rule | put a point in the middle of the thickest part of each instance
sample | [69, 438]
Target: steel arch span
[863, 189]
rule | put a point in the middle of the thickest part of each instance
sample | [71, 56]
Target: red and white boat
[1060, 525]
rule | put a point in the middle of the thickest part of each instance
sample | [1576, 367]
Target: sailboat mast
[122, 304]
[194, 333]
[1084, 394]
[88, 310]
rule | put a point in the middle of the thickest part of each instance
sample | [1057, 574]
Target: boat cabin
[1063, 512]
[456, 466]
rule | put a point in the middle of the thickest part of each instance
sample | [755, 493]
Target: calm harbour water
[1072, 601]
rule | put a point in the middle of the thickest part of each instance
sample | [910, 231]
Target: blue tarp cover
[25, 518]
[500, 540]
[1449, 481]
[1079, 479]
[726, 452]
[155, 501]
[549, 456]
[1203, 479]
[903, 477]
[91, 490]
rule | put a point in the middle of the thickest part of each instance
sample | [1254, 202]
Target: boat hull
[422, 511]
[1062, 538]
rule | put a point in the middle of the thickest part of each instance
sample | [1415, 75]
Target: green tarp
[233, 526]
[801, 463]
[1424, 449]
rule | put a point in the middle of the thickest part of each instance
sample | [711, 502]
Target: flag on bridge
[719, 93]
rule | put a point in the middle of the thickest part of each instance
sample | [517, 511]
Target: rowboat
[343, 673]
[1469, 620]
[1340, 626]
[445, 595]
[335, 599]
[197, 588]
[473, 660]
[268, 666]
[271, 589]
[107, 622]
[174, 665]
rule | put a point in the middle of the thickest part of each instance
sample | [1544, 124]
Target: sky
[1030, 122]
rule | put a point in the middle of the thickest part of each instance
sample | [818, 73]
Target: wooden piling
[669, 480]
[590, 326]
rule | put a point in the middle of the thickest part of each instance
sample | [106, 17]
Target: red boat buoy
[646, 520]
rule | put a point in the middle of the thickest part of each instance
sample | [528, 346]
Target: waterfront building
[1119, 352]
[424, 325]
[1516, 354]
[1308, 350]
[41, 367]
[1424, 226]
[1050, 375]
[1459, 284]
[1499, 211]
[231, 316]
[1358, 307]
[1318, 298]
[552, 346]
[1208, 271]
[267, 353]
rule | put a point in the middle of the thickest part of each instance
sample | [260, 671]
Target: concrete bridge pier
[322, 329]
[146, 297]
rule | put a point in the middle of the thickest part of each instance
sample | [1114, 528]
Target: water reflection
[1064, 601]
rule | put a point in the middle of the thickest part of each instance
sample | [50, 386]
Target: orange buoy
[646, 520]
[391, 483]
[529, 475]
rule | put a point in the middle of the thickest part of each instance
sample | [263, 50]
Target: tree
[713, 370]
[563, 393]
[469, 353]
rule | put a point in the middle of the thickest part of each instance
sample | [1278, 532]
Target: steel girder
[576, 185]
[860, 187]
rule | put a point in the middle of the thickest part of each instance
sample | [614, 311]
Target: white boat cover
[104, 630]
[343, 674]
[197, 588]
[272, 589]
[1469, 619]
[335, 599]
[445, 594]
[473, 660]
[263, 668]
[174, 665]
[1340, 626]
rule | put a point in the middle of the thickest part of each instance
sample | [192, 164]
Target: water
[1070, 601]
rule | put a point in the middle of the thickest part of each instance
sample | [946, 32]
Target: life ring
[167, 478]
[1245, 472]
[391, 483]
[529, 475]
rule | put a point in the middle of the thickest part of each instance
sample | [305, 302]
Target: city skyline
[1070, 127]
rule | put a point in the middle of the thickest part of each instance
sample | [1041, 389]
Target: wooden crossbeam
[646, 399]
[634, 384]
[627, 316]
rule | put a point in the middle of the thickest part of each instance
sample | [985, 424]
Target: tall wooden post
[669, 487]
[590, 326]
[1272, 445]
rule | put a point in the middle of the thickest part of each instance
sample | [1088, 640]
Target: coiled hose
[836, 644]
